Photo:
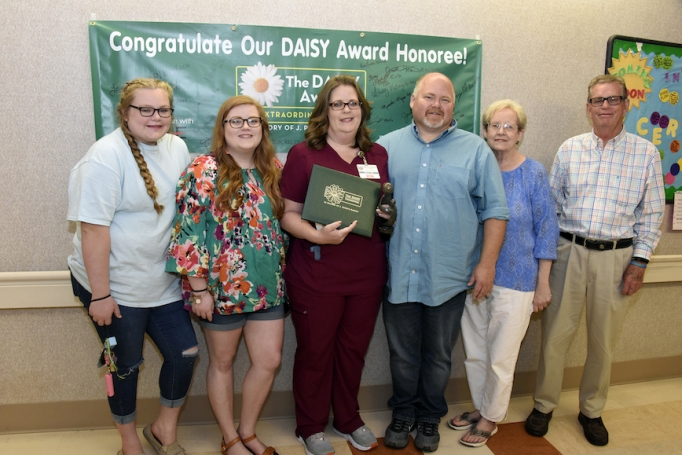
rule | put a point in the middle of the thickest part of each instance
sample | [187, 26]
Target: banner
[283, 68]
[651, 70]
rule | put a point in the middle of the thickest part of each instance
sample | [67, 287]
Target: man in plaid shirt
[608, 188]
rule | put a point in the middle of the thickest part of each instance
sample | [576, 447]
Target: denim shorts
[225, 322]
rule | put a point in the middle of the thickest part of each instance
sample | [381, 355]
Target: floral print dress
[240, 252]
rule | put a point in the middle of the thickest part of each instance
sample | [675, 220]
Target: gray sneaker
[398, 433]
[362, 438]
[317, 444]
[427, 437]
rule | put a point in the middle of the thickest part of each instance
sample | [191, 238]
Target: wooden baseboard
[75, 415]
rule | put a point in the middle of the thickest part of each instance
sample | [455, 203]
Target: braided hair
[127, 95]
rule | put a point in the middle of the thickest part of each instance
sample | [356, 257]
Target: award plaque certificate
[334, 196]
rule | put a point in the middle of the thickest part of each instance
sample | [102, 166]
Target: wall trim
[92, 414]
[22, 290]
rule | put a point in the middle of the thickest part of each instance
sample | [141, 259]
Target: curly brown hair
[318, 125]
[229, 171]
[127, 95]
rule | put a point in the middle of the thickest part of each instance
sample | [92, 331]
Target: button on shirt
[444, 190]
[610, 191]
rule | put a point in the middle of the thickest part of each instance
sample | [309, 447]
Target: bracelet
[637, 264]
[101, 298]
[642, 260]
[199, 291]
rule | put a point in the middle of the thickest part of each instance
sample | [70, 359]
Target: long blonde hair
[229, 171]
[127, 95]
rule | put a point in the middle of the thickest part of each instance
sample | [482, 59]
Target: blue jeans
[420, 341]
[170, 328]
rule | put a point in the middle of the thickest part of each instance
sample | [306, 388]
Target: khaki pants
[580, 275]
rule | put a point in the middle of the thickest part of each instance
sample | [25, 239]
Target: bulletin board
[652, 71]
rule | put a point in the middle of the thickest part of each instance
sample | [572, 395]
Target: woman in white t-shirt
[122, 194]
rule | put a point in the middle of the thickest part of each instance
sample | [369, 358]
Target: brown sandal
[225, 447]
[268, 451]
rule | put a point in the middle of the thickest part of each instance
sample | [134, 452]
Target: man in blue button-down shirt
[452, 218]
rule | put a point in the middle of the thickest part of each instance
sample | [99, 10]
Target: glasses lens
[146, 111]
[165, 112]
[254, 121]
[596, 102]
[508, 127]
[495, 126]
[235, 122]
[614, 100]
[337, 105]
[354, 104]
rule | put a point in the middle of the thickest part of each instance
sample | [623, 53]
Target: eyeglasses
[340, 105]
[237, 122]
[164, 112]
[613, 101]
[506, 126]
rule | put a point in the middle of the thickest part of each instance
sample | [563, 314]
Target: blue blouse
[532, 230]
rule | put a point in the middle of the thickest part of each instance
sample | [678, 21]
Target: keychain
[110, 363]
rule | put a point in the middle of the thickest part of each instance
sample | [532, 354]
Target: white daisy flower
[262, 83]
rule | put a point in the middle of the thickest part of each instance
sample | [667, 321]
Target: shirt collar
[616, 140]
[451, 128]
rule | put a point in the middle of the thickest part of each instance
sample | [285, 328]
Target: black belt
[599, 245]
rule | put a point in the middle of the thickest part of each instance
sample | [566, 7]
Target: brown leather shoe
[537, 423]
[595, 431]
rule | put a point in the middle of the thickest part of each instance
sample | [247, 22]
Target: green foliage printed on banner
[283, 68]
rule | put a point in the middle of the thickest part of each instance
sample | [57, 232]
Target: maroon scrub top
[358, 264]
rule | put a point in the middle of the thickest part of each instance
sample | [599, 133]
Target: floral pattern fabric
[240, 252]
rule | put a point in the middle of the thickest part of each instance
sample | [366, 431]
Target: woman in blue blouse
[227, 245]
[493, 328]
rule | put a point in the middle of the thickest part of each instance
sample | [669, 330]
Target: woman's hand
[101, 311]
[332, 235]
[542, 296]
[204, 309]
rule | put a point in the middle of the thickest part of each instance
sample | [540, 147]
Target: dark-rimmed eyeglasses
[612, 100]
[238, 122]
[505, 126]
[164, 112]
[340, 105]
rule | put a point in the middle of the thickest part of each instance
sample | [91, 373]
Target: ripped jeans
[170, 329]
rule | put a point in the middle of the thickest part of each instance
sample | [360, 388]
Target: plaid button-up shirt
[610, 191]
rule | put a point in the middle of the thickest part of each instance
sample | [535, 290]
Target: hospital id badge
[368, 171]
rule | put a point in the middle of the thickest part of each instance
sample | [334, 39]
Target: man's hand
[483, 278]
[632, 279]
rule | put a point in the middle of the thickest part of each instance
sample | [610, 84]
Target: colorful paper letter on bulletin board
[653, 74]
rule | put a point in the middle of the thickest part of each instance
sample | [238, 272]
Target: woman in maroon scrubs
[335, 278]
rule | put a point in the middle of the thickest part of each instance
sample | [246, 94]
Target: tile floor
[642, 418]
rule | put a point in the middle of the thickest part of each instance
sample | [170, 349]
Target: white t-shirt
[105, 188]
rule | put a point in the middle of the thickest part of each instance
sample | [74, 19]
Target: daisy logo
[262, 83]
[334, 194]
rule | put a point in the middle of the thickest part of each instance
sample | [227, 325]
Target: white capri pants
[492, 331]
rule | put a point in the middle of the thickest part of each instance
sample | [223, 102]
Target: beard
[433, 125]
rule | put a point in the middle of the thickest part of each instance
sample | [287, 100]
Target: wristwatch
[196, 296]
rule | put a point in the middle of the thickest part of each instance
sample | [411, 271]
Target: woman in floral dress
[227, 244]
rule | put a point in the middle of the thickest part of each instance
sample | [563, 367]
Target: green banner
[283, 68]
